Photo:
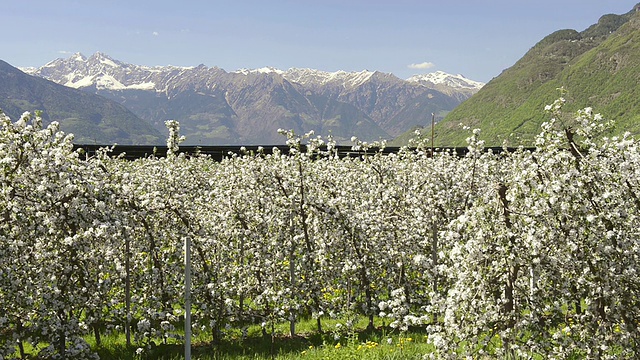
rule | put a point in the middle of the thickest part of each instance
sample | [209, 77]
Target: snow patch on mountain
[262, 70]
[143, 86]
[109, 82]
[50, 64]
[82, 82]
[311, 76]
[442, 78]
[108, 62]
[30, 70]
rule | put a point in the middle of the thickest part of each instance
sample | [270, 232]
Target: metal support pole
[187, 298]
[127, 290]
[433, 125]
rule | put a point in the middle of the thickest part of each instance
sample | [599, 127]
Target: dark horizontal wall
[132, 152]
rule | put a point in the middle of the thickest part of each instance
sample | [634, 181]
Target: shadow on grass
[252, 347]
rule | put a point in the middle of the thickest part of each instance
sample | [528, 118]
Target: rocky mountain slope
[248, 106]
[91, 118]
[599, 67]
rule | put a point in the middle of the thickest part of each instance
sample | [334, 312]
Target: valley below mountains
[216, 107]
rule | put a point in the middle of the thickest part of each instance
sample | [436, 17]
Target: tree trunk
[96, 333]
[20, 343]
[61, 344]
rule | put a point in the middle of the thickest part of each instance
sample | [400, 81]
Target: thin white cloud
[155, 33]
[422, 66]
[64, 52]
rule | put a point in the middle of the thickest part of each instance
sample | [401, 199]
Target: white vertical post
[187, 298]
[127, 290]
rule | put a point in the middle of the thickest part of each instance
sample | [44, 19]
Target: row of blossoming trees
[521, 253]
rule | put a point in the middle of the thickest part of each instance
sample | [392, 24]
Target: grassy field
[334, 343]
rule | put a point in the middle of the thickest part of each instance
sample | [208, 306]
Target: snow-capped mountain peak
[78, 57]
[262, 70]
[442, 78]
[305, 76]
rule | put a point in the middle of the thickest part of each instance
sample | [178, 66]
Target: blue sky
[476, 38]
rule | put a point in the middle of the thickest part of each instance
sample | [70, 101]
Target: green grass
[335, 342]
[381, 343]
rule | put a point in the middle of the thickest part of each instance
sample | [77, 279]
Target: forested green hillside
[598, 67]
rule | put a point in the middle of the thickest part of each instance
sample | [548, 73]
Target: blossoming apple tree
[520, 254]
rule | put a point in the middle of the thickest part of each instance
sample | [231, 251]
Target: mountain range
[246, 106]
[106, 100]
[91, 118]
[598, 67]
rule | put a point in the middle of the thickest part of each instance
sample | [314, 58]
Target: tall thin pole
[187, 298]
[292, 274]
[127, 291]
[434, 252]
[433, 125]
